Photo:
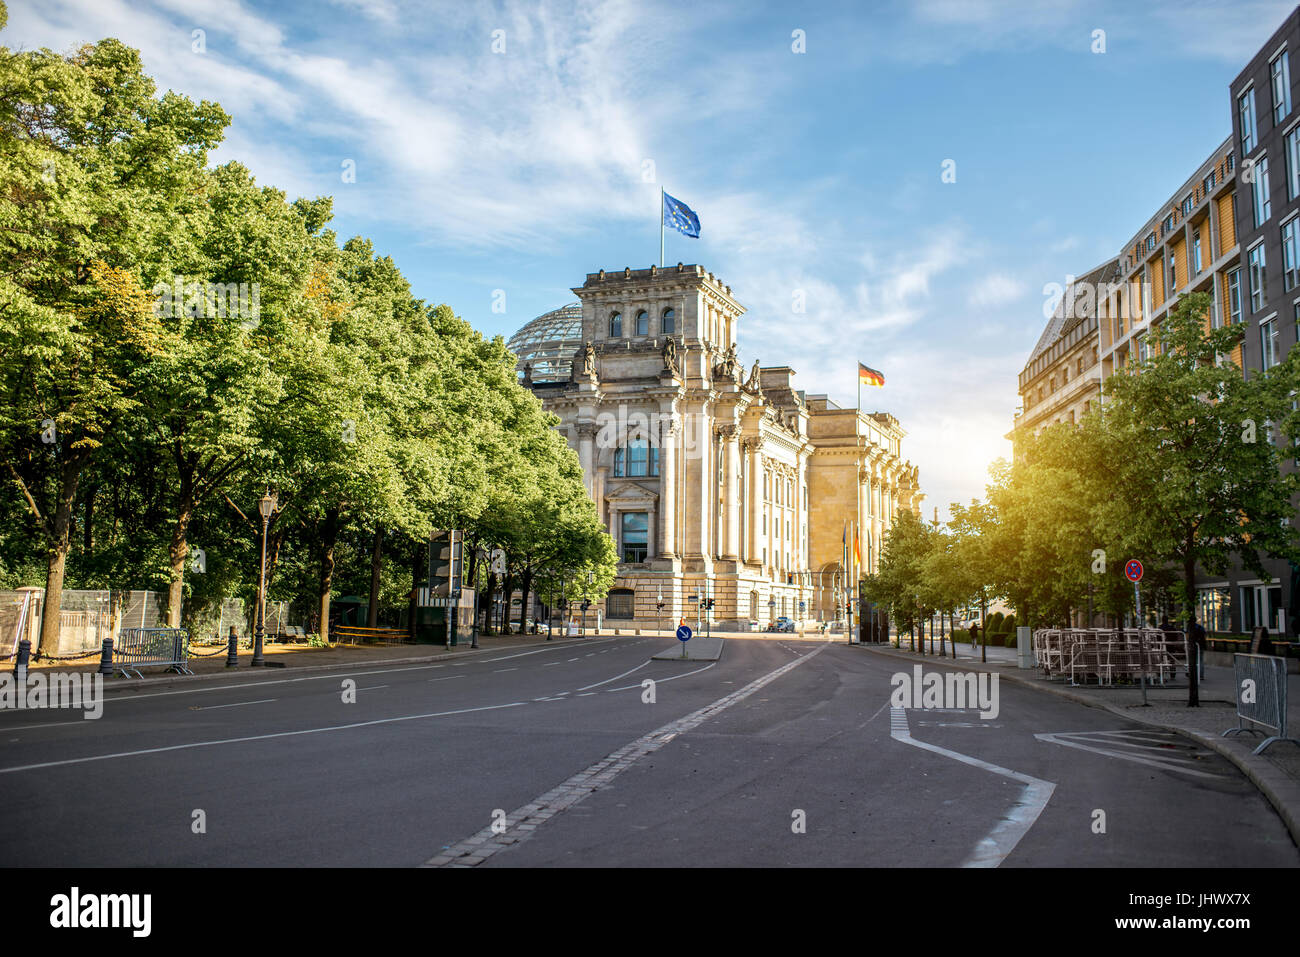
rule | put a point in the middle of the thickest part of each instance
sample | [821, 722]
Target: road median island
[1278, 780]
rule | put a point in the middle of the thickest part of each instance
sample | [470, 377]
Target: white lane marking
[660, 681]
[1167, 763]
[497, 671]
[373, 688]
[1002, 840]
[447, 678]
[536, 651]
[276, 681]
[53, 724]
[574, 659]
[237, 704]
[616, 677]
[482, 845]
[254, 737]
[552, 663]
[588, 694]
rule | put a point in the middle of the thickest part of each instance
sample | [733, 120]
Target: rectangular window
[636, 536]
[1209, 181]
[1269, 340]
[1196, 254]
[1151, 242]
[1290, 249]
[1293, 164]
[1259, 190]
[1187, 205]
[1144, 351]
[1255, 261]
[1246, 113]
[619, 457]
[1234, 296]
[1172, 281]
[1280, 76]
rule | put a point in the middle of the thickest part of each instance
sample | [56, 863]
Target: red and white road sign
[1133, 571]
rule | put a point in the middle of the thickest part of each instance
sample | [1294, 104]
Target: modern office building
[1232, 229]
[713, 481]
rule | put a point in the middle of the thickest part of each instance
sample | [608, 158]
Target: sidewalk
[1276, 772]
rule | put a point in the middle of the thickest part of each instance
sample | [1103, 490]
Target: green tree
[1201, 458]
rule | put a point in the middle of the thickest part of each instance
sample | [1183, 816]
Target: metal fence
[138, 648]
[1110, 655]
[17, 611]
[1261, 698]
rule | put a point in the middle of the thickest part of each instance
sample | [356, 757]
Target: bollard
[106, 658]
[24, 653]
[232, 649]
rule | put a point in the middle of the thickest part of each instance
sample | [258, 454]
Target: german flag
[868, 376]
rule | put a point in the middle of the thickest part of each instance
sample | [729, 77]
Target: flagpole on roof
[661, 227]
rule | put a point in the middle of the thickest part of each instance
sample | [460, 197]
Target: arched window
[643, 323]
[620, 603]
[669, 323]
[615, 325]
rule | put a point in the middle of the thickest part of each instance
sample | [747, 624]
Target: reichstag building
[712, 479]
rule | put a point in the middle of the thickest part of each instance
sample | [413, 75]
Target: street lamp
[266, 508]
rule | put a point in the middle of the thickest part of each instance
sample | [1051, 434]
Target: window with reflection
[636, 536]
[669, 323]
[642, 323]
[616, 325]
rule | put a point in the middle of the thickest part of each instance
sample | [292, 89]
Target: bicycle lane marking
[993, 849]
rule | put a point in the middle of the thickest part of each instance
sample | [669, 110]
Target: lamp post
[266, 507]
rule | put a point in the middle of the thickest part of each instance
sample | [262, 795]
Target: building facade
[1232, 230]
[1266, 133]
[714, 481]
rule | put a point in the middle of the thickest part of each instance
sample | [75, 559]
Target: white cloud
[996, 289]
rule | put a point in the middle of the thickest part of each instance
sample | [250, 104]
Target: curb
[1277, 787]
[244, 671]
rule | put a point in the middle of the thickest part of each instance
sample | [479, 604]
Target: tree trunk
[419, 578]
[1189, 602]
[60, 543]
[376, 567]
[329, 538]
[178, 551]
[523, 605]
[488, 594]
[507, 595]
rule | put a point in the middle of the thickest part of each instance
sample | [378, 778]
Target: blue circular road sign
[684, 633]
[1133, 571]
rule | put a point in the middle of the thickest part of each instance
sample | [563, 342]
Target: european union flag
[680, 217]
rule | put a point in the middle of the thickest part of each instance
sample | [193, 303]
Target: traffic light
[444, 563]
[708, 603]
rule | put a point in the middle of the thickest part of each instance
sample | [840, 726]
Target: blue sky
[816, 173]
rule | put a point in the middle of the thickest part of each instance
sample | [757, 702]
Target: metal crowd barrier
[1261, 697]
[1107, 654]
[140, 647]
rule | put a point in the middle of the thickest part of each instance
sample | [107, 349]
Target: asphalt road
[288, 773]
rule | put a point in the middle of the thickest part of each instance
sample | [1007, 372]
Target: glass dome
[549, 342]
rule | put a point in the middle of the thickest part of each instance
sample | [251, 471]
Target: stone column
[586, 441]
[667, 488]
[753, 447]
[732, 506]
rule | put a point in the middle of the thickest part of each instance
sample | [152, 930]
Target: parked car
[781, 624]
